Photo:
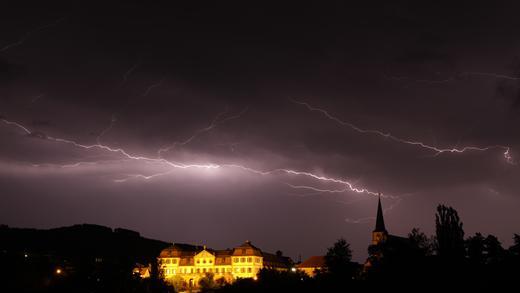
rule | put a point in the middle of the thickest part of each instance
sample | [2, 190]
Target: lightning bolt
[216, 122]
[495, 75]
[151, 87]
[113, 120]
[436, 150]
[128, 73]
[349, 186]
[27, 35]
[36, 98]
[365, 220]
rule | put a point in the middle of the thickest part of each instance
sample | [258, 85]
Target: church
[190, 263]
[383, 242]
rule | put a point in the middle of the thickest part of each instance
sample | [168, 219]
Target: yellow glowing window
[167, 261]
[216, 270]
[210, 270]
[174, 261]
[242, 259]
[198, 260]
[242, 270]
[249, 259]
[235, 259]
[249, 270]
[210, 261]
[204, 261]
[204, 270]
[198, 270]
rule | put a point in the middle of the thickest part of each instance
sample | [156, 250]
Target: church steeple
[379, 234]
[380, 221]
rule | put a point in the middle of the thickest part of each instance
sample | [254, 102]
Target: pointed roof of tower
[380, 221]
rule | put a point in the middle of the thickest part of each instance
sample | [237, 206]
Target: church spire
[380, 221]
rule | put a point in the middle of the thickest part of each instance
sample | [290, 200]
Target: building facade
[190, 263]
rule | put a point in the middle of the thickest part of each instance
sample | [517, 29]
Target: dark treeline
[445, 262]
[80, 258]
[89, 258]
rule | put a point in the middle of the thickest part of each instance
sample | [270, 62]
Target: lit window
[173, 272]
[204, 261]
[249, 259]
[257, 259]
[216, 270]
[210, 261]
[210, 270]
[242, 259]
[198, 260]
[191, 271]
[235, 259]
[167, 261]
[204, 270]
[174, 261]
[237, 270]
[165, 271]
[243, 251]
[249, 270]
[242, 270]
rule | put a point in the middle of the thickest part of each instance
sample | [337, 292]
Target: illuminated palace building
[190, 263]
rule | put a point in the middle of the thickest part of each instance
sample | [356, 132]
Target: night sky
[215, 124]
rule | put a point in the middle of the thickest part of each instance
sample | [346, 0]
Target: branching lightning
[113, 120]
[436, 150]
[151, 87]
[27, 35]
[128, 73]
[219, 119]
[349, 186]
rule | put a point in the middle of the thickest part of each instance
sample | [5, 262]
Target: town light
[293, 270]
[58, 271]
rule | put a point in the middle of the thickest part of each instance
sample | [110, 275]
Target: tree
[207, 283]
[475, 248]
[449, 233]
[494, 250]
[338, 259]
[515, 248]
[421, 242]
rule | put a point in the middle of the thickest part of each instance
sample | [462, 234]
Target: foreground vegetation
[88, 258]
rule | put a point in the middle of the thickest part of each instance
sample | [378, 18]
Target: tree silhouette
[338, 259]
[449, 233]
[494, 250]
[207, 283]
[475, 248]
[421, 242]
[515, 248]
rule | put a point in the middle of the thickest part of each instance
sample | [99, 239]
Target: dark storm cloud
[142, 77]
